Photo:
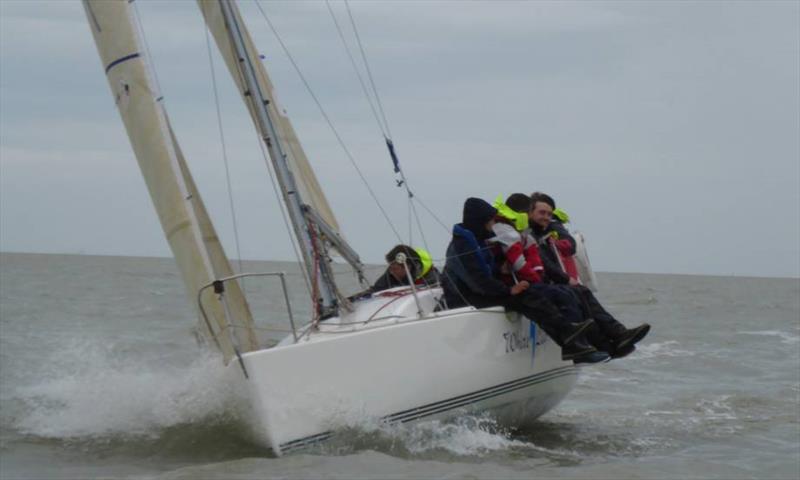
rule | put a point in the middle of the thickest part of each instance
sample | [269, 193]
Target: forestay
[187, 226]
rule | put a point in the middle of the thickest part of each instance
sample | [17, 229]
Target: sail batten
[184, 219]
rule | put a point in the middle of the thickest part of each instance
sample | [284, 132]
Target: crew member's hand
[574, 282]
[519, 288]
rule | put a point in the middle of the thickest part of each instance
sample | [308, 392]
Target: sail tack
[184, 219]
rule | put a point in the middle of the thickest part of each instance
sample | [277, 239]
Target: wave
[634, 300]
[785, 337]
[466, 435]
[661, 349]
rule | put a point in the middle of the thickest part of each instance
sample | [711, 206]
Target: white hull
[399, 367]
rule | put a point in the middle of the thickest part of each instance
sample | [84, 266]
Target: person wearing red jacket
[518, 255]
[519, 263]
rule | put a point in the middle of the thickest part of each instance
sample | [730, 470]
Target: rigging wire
[410, 230]
[284, 214]
[430, 212]
[369, 71]
[147, 50]
[419, 225]
[328, 120]
[355, 68]
[273, 183]
[224, 152]
[385, 125]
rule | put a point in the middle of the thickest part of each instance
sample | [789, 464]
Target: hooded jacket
[470, 270]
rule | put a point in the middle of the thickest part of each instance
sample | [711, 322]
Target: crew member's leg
[621, 337]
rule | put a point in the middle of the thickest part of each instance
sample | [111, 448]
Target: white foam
[785, 337]
[467, 435]
[100, 396]
[717, 408]
[662, 412]
[662, 349]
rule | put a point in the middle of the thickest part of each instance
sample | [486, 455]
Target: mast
[312, 221]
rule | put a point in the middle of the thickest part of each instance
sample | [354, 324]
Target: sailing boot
[594, 357]
[575, 347]
[622, 352]
[581, 352]
[631, 336]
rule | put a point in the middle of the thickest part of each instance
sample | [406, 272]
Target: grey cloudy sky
[670, 131]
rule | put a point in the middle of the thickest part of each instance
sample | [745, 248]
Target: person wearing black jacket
[470, 277]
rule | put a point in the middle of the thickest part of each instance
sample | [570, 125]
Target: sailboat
[394, 356]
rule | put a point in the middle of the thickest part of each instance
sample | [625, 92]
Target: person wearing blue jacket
[471, 277]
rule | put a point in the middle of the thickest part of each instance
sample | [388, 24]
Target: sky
[669, 131]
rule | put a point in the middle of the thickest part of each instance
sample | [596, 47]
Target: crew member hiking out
[552, 238]
[470, 277]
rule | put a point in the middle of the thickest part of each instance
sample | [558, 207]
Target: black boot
[576, 350]
[622, 352]
[581, 352]
[631, 336]
[594, 357]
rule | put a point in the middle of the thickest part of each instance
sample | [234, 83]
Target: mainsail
[187, 226]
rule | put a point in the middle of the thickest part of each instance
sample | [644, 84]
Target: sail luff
[180, 209]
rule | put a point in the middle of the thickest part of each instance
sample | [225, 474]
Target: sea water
[101, 376]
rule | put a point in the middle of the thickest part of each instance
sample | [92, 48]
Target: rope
[328, 121]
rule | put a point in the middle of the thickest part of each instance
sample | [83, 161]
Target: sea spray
[90, 392]
[465, 435]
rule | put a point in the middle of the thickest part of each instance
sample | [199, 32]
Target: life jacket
[563, 251]
[522, 264]
[518, 219]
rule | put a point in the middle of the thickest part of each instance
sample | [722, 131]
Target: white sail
[306, 180]
[187, 226]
